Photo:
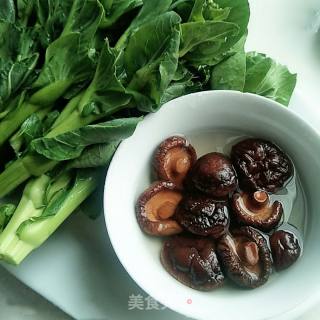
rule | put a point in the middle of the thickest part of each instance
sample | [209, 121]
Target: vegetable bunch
[76, 77]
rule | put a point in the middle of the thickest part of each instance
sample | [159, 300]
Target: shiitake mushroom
[203, 211]
[214, 175]
[245, 257]
[173, 159]
[256, 210]
[155, 208]
[203, 216]
[285, 248]
[192, 261]
[261, 165]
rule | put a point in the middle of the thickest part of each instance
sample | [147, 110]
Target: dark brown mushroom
[214, 175]
[285, 249]
[245, 257]
[193, 262]
[261, 165]
[155, 208]
[173, 159]
[203, 216]
[256, 210]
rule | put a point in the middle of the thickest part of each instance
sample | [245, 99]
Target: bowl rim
[295, 312]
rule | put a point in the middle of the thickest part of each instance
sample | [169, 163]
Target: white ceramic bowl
[286, 295]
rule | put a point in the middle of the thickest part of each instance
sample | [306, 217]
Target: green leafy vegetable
[116, 9]
[197, 33]
[98, 155]
[67, 62]
[71, 144]
[38, 216]
[53, 15]
[13, 76]
[76, 77]
[228, 11]
[85, 17]
[150, 10]
[24, 10]
[6, 212]
[256, 73]
[34, 127]
[56, 77]
[151, 61]
[18, 59]
[230, 74]
[7, 11]
[105, 94]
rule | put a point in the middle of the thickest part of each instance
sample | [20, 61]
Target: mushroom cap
[203, 216]
[214, 175]
[245, 257]
[256, 210]
[285, 249]
[173, 159]
[261, 165]
[155, 208]
[193, 262]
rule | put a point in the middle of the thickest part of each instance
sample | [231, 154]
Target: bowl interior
[287, 293]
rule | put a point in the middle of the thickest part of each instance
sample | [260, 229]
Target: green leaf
[216, 34]
[117, 10]
[217, 14]
[256, 73]
[203, 10]
[258, 66]
[236, 12]
[107, 4]
[67, 63]
[6, 212]
[85, 17]
[13, 76]
[33, 127]
[16, 42]
[150, 10]
[187, 80]
[55, 203]
[24, 10]
[180, 88]
[18, 59]
[148, 42]
[239, 13]
[105, 94]
[9, 41]
[14, 103]
[277, 84]
[230, 74]
[151, 59]
[52, 16]
[95, 156]
[183, 8]
[208, 10]
[70, 145]
[196, 14]
[68, 60]
[7, 11]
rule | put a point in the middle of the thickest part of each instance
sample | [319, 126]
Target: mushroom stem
[182, 165]
[260, 198]
[166, 210]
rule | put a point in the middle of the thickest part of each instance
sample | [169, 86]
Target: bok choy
[76, 77]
